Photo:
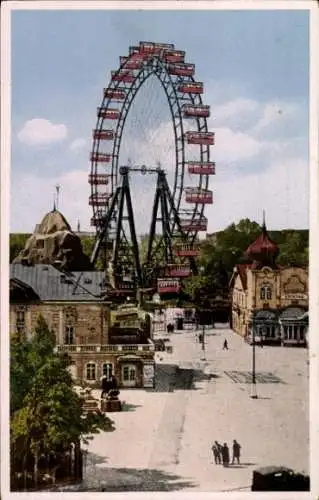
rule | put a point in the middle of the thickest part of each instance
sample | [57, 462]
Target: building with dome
[269, 301]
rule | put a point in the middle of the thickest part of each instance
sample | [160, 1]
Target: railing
[106, 348]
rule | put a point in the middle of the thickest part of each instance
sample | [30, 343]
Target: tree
[49, 415]
[17, 243]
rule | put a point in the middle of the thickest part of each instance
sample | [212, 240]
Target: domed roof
[263, 250]
[52, 222]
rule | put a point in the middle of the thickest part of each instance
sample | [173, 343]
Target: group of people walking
[221, 453]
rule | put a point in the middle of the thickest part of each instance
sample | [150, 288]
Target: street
[163, 437]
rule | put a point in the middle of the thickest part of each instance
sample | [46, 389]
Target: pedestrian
[225, 345]
[236, 451]
[105, 386]
[225, 455]
[216, 448]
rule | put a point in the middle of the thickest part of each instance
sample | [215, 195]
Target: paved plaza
[163, 438]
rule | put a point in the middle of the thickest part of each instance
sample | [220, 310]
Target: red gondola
[133, 62]
[99, 199]
[96, 179]
[181, 69]
[186, 250]
[191, 87]
[178, 270]
[97, 221]
[115, 94]
[198, 195]
[195, 111]
[174, 56]
[122, 76]
[101, 157]
[134, 50]
[107, 135]
[207, 138]
[155, 48]
[168, 285]
[201, 167]
[196, 224]
[108, 113]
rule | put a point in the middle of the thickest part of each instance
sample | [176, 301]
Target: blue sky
[255, 68]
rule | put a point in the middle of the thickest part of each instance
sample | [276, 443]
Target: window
[20, 320]
[266, 292]
[129, 373]
[40, 243]
[69, 335]
[90, 371]
[108, 369]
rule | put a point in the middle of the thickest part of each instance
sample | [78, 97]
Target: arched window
[90, 371]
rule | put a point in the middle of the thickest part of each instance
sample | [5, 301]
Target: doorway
[129, 375]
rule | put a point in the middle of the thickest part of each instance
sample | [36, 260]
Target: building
[75, 306]
[269, 301]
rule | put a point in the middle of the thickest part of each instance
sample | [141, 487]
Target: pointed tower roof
[263, 251]
[52, 222]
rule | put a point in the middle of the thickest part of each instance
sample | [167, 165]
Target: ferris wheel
[183, 192]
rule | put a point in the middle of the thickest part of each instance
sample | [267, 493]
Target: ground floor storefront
[132, 366]
[287, 326]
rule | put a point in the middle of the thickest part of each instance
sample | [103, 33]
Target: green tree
[46, 412]
[17, 243]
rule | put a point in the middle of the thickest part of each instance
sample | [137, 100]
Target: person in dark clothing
[225, 455]
[225, 345]
[236, 451]
[113, 383]
[216, 449]
[105, 386]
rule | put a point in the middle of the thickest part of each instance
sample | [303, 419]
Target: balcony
[89, 348]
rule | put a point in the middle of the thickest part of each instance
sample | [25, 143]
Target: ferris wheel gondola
[189, 118]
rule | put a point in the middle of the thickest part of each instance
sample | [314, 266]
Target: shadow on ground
[170, 378]
[124, 479]
[129, 407]
[240, 466]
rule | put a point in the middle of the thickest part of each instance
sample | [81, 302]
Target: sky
[255, 69]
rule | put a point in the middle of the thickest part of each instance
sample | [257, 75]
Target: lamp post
[203, 344]
[254, 387]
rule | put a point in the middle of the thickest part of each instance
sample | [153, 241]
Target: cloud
[41, 132]
[275, 112]
[236, 114]
[233, 146]
[78, 144]
[281, 190]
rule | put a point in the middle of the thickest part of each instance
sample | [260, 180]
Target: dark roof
[263, 249]
[51, 284]
[273, 469]
[242, 271]
[293, 313]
